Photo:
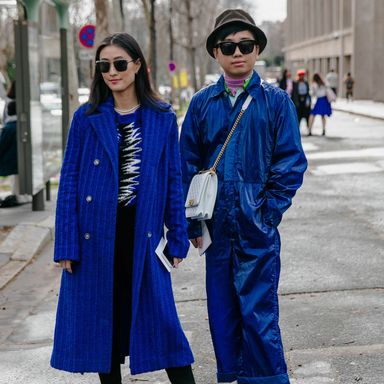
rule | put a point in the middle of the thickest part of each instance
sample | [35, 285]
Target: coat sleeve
[190, 160]
[67, 226]
[287, 166]
[175, 221]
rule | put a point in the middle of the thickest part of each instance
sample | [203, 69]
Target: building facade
[344, 35]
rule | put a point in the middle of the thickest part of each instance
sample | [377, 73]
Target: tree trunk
[153, 45]
[191, 49]
[73, 80]
[102, 16]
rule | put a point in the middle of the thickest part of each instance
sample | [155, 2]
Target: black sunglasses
[228, 48]
[120, 65]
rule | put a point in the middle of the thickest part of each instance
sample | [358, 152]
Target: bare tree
[102, 20]
[7, 46]
[149, 7]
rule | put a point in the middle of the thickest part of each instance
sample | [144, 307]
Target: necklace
[127, 111]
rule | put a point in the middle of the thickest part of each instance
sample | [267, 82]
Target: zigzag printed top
[130, 147]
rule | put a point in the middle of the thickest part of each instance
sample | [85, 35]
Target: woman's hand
[176, 262]
[67, 265]
[198, 242]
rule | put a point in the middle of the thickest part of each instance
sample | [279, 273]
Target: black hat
[235, 17]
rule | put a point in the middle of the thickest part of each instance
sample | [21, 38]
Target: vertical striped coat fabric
[85, 233]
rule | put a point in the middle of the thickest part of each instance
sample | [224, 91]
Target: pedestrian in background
[332, 80]
[261, 169]
[11, 97]
[8, 155]
[120, 183]
[301, 97]
[322, 106]
[286, 82]
[349, 85]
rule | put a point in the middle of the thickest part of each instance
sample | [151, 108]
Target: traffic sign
[87, 35]
[172, 66]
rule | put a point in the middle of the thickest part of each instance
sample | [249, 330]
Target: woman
[286, 82]
[11, 96]
[322, 106]
[120, 183]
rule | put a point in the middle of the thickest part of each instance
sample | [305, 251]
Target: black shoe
[9, 201]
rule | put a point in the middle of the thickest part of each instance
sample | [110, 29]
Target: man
[259, 173]
[349, 83]
[332, 80]
[301, 97]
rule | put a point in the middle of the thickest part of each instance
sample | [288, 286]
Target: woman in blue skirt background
[322, 106]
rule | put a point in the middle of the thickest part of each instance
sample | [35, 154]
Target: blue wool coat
[85, 233]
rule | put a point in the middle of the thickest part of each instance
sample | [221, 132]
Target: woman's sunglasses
[120, 65]
[228, 48]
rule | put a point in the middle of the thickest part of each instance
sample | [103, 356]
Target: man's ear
[215, 52]
[257, 47]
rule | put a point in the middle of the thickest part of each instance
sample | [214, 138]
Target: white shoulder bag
[202, 191]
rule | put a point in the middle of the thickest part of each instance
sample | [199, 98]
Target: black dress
[129, 138]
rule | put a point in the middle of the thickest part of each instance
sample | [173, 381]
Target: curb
[357, 113]
[22, 244]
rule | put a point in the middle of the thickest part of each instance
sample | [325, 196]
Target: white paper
[206, 238]
[160, 254]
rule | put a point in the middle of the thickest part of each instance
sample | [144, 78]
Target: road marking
[343, 168]
[308, 147]
[366, 152]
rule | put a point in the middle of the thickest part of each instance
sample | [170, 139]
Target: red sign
[87, 35]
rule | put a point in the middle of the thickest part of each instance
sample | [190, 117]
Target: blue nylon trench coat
[266, 150]
[258, 176]
[85, 233]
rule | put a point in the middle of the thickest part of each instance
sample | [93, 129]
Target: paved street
[332, 284]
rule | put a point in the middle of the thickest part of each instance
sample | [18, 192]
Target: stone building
[344, 35]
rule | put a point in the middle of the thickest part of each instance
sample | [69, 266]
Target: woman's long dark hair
[145, 94]
[317, 79]
[12, 90]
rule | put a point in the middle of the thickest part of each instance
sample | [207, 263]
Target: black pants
[122, 302]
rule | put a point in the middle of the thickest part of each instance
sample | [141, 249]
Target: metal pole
[23, 107]
[48, 190]
[341, 54]
[153, 46]
[64, 86]
[170, 30]
[38, 201]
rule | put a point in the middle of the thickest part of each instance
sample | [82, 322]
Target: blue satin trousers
[243, 310]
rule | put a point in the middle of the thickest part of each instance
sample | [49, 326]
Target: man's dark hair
[228, 30]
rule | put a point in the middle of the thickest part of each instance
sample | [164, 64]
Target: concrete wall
[320, 37]
[378, 73]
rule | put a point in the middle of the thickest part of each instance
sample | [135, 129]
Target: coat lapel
[104, 125]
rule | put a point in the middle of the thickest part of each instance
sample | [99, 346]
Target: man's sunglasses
[120, 65]
[228, 48]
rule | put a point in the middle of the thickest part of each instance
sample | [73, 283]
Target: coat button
[88, 198]
[96, 162]
[149, 234]
[87, 236]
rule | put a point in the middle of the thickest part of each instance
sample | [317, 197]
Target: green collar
[246, 82]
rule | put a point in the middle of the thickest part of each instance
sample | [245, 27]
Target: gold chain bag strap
[202, 192]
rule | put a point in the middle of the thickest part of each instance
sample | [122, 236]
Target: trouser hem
[278, 379]
[226, 377]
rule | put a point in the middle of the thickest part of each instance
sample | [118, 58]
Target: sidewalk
[366, 108]
[23, 234]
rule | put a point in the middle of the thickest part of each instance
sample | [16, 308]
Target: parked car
[83, 95]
